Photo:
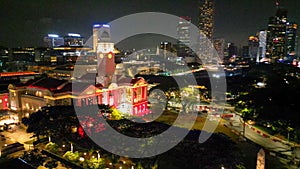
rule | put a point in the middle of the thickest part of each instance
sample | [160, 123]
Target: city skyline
[150, 84]
[234, 21]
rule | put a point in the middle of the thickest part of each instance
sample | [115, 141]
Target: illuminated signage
[74, 34]
[99, 25]
[53, 35]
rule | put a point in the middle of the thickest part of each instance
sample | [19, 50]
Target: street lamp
[81, 159]
[98, 155]
[289, 129]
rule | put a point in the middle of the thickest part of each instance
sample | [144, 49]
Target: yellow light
[90, 92]
[101, 55]
[53, 59]
[81, 159]
[59, 97]
[295, 26]
[109, 56]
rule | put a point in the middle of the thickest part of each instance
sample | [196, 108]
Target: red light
[5, 99]
[295, 63]
[17, 73]
[80, 131]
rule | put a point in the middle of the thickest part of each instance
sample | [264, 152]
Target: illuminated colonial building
[126, 94]
[34, 94]
[129, 96]
[3, 100]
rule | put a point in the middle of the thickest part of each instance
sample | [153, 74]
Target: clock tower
[105, 56]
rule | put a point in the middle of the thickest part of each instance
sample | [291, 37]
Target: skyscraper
[206, 18]
[232, 50]
[281, 37]
[219, 45]
[183, 32]
[205, 25]
[297, 47]
[96, 28]
[291, 30]
[53, 40]
[262, 36]
[73, 39]
[276, 35]
[253, 43]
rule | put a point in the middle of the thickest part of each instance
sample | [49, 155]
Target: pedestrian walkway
[18, 135]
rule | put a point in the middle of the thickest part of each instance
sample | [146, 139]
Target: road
[17, 133]
[259, 137]
[269, 142]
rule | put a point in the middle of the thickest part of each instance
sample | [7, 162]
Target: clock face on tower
[101, 55]
[109, 56]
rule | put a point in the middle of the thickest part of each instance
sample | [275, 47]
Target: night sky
[25, 23]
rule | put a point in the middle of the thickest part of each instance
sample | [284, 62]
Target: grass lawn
[169, 117]
[248, 148]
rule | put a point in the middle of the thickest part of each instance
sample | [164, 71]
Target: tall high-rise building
[253, 43]
[281, 36]
[262, 37]
[245, 51]
[53, 40]
[291, 33]
[98, 29]
[219, 45]
[297, 47]
[276, 35]
[73, 39]
[205, 25]
[165, 47]
[232, 50]
[183, 32]
[206, 18]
